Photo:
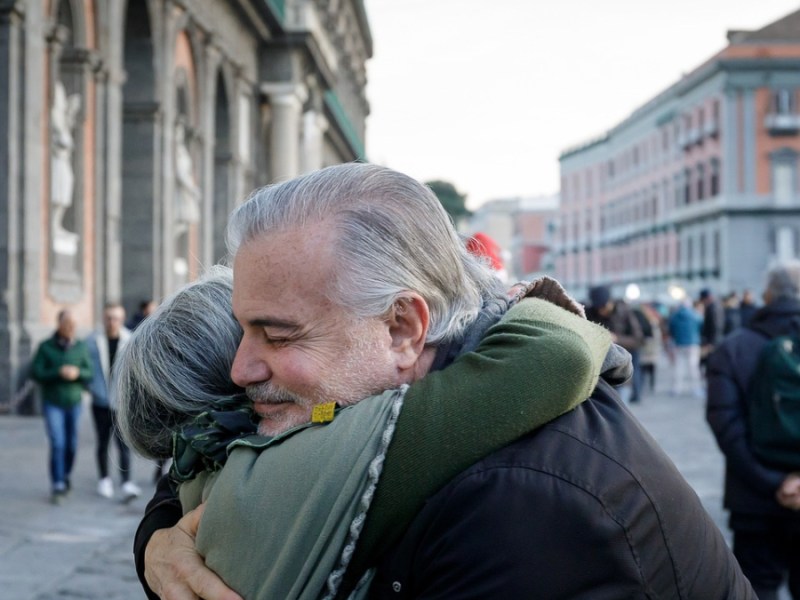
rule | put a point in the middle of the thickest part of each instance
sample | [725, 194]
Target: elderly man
[763, 498]
[358, 266]
[62, 367]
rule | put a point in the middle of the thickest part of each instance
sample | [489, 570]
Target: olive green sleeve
[538, 362]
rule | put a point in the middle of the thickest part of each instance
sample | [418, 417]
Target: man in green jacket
[62, 368]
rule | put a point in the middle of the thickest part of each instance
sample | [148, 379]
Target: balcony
[782, 123]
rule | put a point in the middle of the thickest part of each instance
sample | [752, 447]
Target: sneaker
[130, 491]
[105, 487]
[59, 493]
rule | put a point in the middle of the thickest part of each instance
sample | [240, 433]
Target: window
[784, 176]
[785, 243]
[783, 102]
[701, 182]
[714, 179]
[687, 186]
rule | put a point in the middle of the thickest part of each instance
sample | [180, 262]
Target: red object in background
[482, 245]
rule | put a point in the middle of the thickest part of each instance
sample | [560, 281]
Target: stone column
[11, 16]
[314, 127]
[286, 100]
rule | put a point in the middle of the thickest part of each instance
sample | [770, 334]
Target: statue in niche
[63, 116]
[187, 192]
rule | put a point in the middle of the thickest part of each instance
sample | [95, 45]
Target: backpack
[774, 403]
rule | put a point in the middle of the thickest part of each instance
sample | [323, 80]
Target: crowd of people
[360, 408]
[681, 335]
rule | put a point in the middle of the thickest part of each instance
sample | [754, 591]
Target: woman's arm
[538, 362]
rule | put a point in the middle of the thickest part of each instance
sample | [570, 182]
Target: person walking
[620, 320]
[103, 348]
[747, 308]
[61, 367]
[684, 331]
[763, 498]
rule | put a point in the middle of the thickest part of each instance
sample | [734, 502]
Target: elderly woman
[283, 515]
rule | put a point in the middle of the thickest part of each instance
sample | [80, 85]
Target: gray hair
[393, 236]
[177, 364]
[783, 281]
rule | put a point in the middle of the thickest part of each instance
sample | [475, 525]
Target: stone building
[697, 188]
[129, 129]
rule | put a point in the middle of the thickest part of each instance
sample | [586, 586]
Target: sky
[486, 94]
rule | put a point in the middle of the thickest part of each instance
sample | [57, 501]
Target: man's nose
[249, 365]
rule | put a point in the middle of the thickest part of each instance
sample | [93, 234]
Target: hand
[69, 372]
[788, 494]
[173, 568]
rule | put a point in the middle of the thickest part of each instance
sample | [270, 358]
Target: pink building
[698, 187]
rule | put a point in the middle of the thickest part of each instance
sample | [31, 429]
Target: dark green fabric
[538, 362]
[49, 358]
[203, 445]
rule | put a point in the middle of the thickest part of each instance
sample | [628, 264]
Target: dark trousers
[767, 558]
[636, 378]
[105, 428]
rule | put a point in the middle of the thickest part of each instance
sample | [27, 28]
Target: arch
[141, 132]
[70, 14]
[223, 167]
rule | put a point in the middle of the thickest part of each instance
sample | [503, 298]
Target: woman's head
[177, 364]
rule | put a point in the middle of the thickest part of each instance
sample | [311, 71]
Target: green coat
[50, 357]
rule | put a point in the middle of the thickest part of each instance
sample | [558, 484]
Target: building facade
[697, 188]
[522, 227]
[129, 129]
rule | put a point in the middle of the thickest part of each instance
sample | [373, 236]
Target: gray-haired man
[588, 506]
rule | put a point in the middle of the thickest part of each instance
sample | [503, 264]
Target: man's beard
[359, 374]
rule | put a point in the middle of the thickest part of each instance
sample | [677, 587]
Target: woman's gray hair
[177, 364]
[393, 236]
[783, 281]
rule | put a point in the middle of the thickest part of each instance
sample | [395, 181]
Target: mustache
[269, 393]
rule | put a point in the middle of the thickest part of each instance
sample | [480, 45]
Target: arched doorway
[140, 149]
[223, 169]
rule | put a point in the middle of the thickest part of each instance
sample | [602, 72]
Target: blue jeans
[62, 432]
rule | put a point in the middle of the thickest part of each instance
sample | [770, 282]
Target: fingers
[175, 570]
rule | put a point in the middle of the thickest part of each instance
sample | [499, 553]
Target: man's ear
[408, 325]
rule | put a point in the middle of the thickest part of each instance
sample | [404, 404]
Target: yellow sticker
[323, 413]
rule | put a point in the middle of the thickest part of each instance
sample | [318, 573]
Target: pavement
[82, 549]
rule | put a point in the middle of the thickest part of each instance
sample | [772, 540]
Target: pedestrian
[733, 318]
[62, 368]
[587, 505]
[652, 327]
[619, 319]
[146, 308]
[747, 308]
[104, 346]
[713, 328]
[684, 331]
[763, 498]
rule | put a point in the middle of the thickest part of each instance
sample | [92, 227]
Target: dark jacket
[586, 507]
[713, 328]
[746, 312]
[50, 357]
[749, 484]
[622, 323]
